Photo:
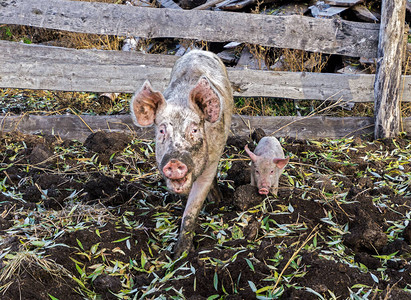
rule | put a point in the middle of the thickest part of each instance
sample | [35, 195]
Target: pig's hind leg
[198, 194]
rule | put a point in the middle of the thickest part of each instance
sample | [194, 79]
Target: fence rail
[79, 127]
[52, 68]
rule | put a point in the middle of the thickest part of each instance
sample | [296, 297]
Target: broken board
[343, 2]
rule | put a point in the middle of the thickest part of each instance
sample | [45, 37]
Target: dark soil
[95, 221]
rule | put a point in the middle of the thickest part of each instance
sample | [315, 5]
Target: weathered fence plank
[79, 127]
[388, 75]
[52, 68]
[296, 32]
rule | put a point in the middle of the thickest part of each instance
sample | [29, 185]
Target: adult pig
[192, 118]
[267, 164]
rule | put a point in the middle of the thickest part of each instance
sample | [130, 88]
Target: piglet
[267, 164]
[192, 119]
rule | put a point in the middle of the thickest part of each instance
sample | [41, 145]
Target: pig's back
[191, 67]
[269, 147]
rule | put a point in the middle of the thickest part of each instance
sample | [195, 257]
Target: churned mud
[93, 220]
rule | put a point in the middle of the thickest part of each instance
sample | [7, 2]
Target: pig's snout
[175, 169]
[263, 191]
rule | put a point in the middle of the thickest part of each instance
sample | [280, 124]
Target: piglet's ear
[145, 104]
[203, 97]
[250, 154]
[281, 162]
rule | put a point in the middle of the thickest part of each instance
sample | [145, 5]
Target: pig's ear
[203, 97]
[250, 154]
[145, 104]
[281, 162]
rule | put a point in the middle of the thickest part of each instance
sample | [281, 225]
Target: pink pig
[267, 164]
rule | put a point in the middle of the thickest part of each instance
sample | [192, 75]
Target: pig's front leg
[274, 190]
[274, 187]
[198, 194]
[253, 181]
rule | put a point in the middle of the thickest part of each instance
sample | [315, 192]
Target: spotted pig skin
[192, 119]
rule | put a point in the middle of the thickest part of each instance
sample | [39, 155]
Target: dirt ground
[93, 220]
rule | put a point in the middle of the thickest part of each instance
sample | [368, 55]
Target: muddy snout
[175, 169]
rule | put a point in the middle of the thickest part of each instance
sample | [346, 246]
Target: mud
[95, 220]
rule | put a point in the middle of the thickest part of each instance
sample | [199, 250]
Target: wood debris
[209, 4]
[232, 45]
[228, 56]
[249, 61]
[140, 3]
[288, 9]
[351, 70]
[235, 4]
[324, 10]
[343, 2]
[362, 13]
[331, 8]
[130, 44]
[168, 4]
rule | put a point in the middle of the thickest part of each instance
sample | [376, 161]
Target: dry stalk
[359, 129]
[309, 237]
[313, 113]
[14, 266]
[85, 123]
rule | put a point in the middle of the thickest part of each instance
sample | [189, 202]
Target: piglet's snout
[175, 169]
[263, 191]
[263, 187]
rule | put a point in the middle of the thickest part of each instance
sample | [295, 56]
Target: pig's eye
[194, 130]
[272, 172]
[162, 130]
[256, 172]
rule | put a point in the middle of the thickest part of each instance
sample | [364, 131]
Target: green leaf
[263, 289]
[213, 297]
[94, 248]
[252, 286]
[80, 244]
[121, 240]
[215, 281]
[375, 278]
[79, 269]
[38, 243]
[314, 292]
[52, 297]
[143, 259]
[79, 282]
[250, 264]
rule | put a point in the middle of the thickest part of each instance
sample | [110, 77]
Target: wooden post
[388, 75]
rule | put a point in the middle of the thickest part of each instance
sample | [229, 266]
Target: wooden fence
[53, 68]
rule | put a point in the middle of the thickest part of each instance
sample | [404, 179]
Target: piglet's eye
[272, 172]
[195, 130]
